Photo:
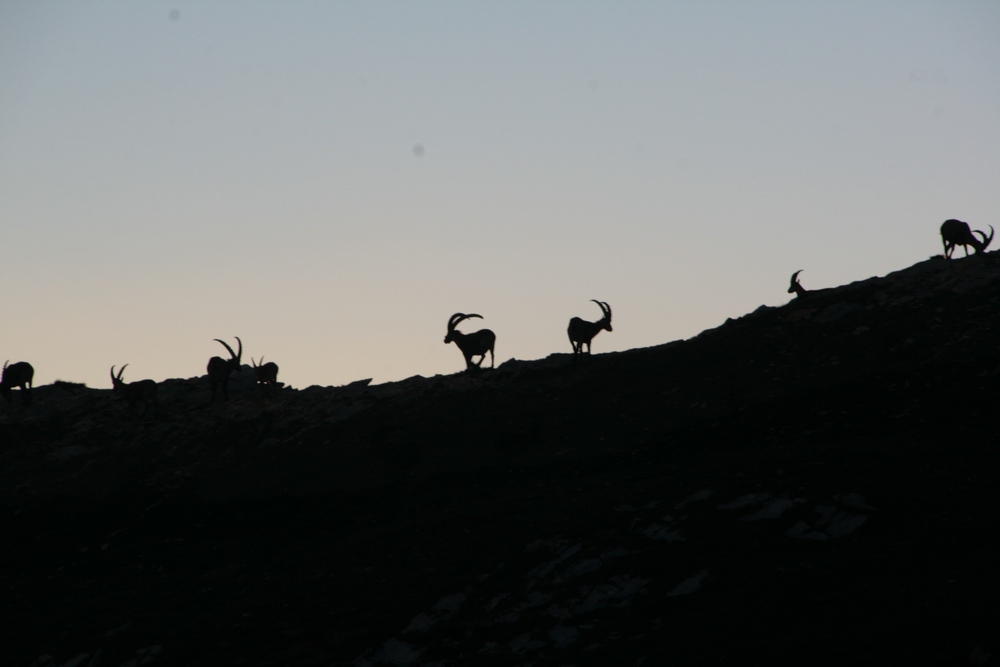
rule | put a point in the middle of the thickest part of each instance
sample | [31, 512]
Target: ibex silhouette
[20, 375]
[219, 368]
[142, 392]
[957, 233]
[797, 287]
[267, 375]
[473, 344]
[581, 332]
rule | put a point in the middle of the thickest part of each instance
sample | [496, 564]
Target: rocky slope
[809, 484]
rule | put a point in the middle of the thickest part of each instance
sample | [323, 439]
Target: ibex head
[235, 357]
[606, 309]
[453, 322]
[116, 380]
[795, 286]
[957, 233]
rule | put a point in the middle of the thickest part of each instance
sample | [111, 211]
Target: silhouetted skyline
[329, 181]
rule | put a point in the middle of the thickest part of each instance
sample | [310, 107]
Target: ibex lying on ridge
[138, 392]
[476, 343]
[267, 375]
[219, 368]
[17, 375]
[795, 286]
[957, 233]
[581, 332]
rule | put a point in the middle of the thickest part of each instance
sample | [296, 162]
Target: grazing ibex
[138, 392]
[267, 375]
[581, 332]
[219, 368]
[476, 343]
[957, 233]
[795, 286]
[17, 375]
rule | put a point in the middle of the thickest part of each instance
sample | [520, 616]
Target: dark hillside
[809, 484]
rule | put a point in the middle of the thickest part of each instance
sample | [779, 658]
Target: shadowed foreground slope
[810, 484]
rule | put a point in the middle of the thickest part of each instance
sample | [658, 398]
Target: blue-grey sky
[330, 181]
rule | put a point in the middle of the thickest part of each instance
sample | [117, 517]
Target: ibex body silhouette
[140, 392]
[957, 233]
[474, 344]
[219, 368]
[19, 374]
[581, 332]
[267, 375]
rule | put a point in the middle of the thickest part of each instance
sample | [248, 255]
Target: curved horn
[226, 345]
[239, 354]
[605, 308]
[458, 317]
[982, 235]
[120, 371]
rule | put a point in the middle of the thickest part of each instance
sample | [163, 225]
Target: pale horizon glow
[331, 181]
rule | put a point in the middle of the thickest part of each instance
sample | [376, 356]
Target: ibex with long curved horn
[473, 344]
[581, 332]
[20, 375]
[796, 286]
[957, 233]
[219, 368]
[139, 392]
[267, 375]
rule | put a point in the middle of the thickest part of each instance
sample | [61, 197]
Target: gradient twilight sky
[330, 181]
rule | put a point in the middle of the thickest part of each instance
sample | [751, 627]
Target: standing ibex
[581, 332]
[476, 343]
[219, 368]
[267, 375]
[140, 391]
[957, 233]
[797, 287]
[17, 375]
